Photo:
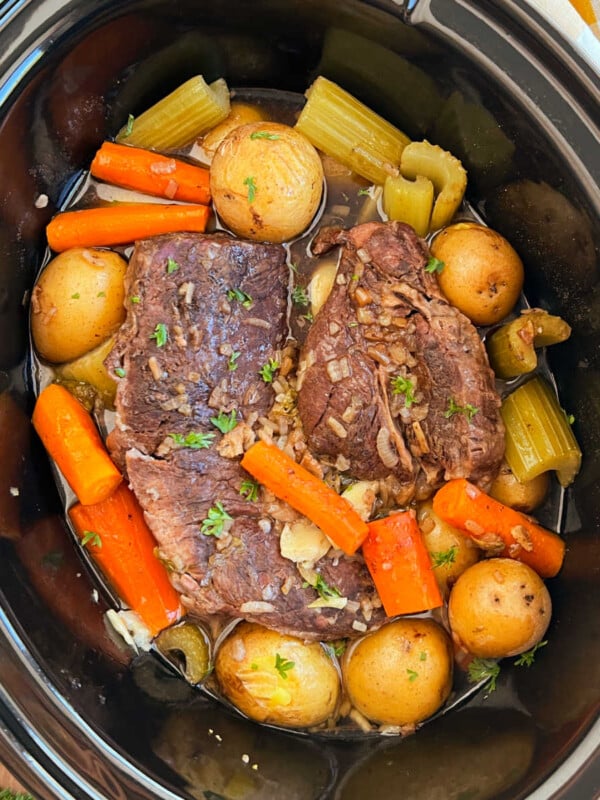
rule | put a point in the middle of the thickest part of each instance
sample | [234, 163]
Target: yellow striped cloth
[578, 20]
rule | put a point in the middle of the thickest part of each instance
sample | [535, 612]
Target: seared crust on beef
[175, 389]
[386, 317]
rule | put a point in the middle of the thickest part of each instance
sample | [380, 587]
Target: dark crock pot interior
[74, 720]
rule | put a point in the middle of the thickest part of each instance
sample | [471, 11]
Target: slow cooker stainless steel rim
[29, 740]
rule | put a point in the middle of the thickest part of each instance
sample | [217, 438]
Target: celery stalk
[443, 170]
[511, 349]
[188, 641]
[538, 435]
[189, 111]
[548, 329]
[342, 127]
[409, 201]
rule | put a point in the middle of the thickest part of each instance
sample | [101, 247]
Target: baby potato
[450, 550]
[77, 303]
[275, 678]
[482, 274]
[266, 180]
[400, 674]
[240, 114]
[526, 496]
[499, 607]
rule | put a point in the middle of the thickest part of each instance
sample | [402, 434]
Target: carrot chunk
[399, 563]
[306, 493]
[151, 173]
[69, 435]
[491, 524]
[122, 224]
[120, 542]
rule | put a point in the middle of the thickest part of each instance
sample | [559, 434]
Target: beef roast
[205, 313]
[393, 377]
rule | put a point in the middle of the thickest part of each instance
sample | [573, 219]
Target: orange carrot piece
[124, 549]
[122, 224]
[306, 493]
[488, 522]
[399, 563]
[151, 173]
[69, 435]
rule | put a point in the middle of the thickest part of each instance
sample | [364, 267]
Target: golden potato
[526, 496]
[400, 674]
[275, 678]
[266, 180]
[77, 303]
[499, 607]
[482, 274]
[450, 550]
[240, 114]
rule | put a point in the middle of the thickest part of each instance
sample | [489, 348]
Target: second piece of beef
[205, 313]
[392, 377]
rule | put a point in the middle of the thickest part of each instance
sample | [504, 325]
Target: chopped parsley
[193, 440]
[268, 370]
[300, 296]
[120, 372]
[135, 299]
[75, 296]
[453, 408]
[161, 334]
[337, 648]
[423, 656]
[225, 422]
[308, 317]
[571, 419]
[89, 537]
[249, 490]
[129, 126]
[8, 794]
[412, 675]
[249, 182]
[481, 669]
[283, 665]
[362, 192]
[264, 135]
[527, 658]
[242, 297]
[402, 385]
[101, 294]
[324, 590]
[434, 265]
[172, 266]
[232, 363]
[294, 267]
[214, 522]
[444, 557]
[254, 666]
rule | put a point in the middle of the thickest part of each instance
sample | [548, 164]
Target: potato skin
[266, 189]
[499, 607]
[240, 114]
[400, 674]
[440, 538]
[525, 497]
[77, 303]
[246, 672]
[482, 274]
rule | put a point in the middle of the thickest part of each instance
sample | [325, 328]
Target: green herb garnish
[225, 422]
[161, 334]
[308, 317]
[75, 296]
[362, 192]
[481, 669]
[402, 385]
[423, 656]
[444, 557]
[283, 665]
[412, 675]
[120, 372]
[338, 648]
[300, 296]
[571, 419]
[268, 370]
[193, 440]
[101, 294]
[242, 297]
[249, 490]
[249, 182]
[172, 266]
[232, 363]
[214, 522]
[324, 590]
[254, 666]
[434, 265]
[527, 658]
[453, 408]
[264, 135]
[8, 794]
[135, 299]
[89, 537]
[129, 126]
